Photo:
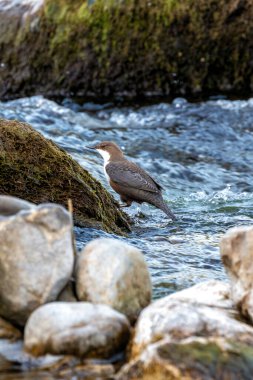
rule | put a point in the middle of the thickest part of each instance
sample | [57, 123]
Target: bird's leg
[126, 201]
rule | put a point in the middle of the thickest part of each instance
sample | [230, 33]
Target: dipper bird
[132, 183]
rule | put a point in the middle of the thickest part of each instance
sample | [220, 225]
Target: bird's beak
[91, 147]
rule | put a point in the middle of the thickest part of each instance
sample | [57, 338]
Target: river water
[201, 153]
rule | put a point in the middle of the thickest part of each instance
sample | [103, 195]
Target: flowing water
[201, 153]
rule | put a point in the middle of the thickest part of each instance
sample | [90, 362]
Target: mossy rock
[197, 359]
[35, 169]
[134, 48]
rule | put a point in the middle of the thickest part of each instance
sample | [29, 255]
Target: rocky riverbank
[61, 48]
[90, 327]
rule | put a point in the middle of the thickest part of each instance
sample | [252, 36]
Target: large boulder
[112, 272]
[108, 48]
[192, 334]
[195, 358]
[237, 256]
[37, 170]
[80, 329]
[36, 259]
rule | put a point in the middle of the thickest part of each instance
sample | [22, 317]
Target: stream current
[202, 155]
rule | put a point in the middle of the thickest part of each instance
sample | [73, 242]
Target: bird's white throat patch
[106, 156]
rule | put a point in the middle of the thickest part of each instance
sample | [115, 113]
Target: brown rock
[114, 273]
[79, 328]
[237, 256]
[195, 334]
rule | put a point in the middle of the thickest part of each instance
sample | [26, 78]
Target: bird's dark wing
[128, 174]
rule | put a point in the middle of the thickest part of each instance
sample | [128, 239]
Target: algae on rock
[107, 48]
[195, 358]
[35, 169]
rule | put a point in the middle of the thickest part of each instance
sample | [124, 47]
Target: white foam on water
[225, 195]
[33, 5]
[233, 105]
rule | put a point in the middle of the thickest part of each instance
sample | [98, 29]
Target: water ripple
[201, 154]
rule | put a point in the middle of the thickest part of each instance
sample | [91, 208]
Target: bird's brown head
[108, 150]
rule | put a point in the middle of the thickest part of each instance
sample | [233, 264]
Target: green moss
[233, 361]
[134, 47]
[35, 169]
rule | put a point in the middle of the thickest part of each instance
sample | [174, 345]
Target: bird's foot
[140, 213]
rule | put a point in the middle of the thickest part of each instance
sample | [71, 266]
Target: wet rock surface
[42, 172]
[15, 364]
[36, 259]
[80, 329]
[114, 273]
[237, 256]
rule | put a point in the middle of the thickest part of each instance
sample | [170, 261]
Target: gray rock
[12, 205]
[237, 256]
[192, 334]
[114, 273]
[202, 310]
[36, 259]
[78, 328]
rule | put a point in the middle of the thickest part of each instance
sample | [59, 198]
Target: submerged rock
[80, 329]
[100, 47]
[193, 334]
[14, 358]
[237, 256]
[36, 259]
[16, 364]
[112, 272]
[35, 169]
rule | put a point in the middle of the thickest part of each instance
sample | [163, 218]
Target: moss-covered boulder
[35, 169]
[194, 334]
[192, 359]
[111, 47]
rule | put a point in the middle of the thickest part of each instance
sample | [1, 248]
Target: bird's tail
[163, 206]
